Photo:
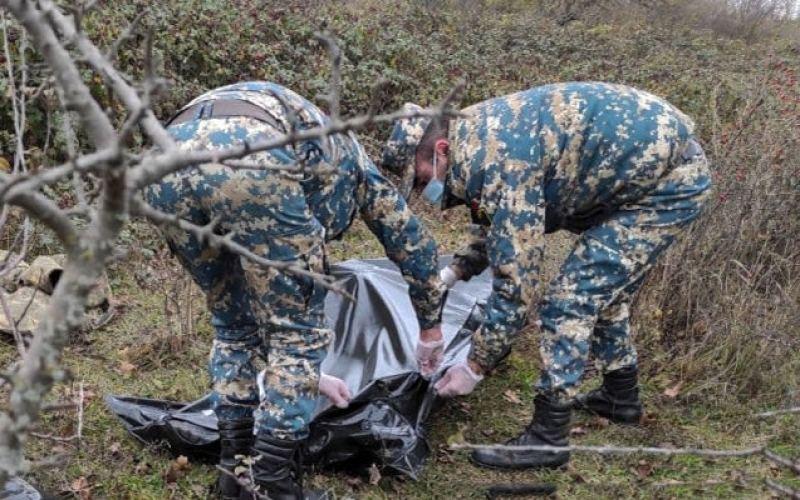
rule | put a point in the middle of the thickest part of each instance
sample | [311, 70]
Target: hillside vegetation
[717, 322]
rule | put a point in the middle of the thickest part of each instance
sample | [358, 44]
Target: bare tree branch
[111, 53]
[783, 490]
[125, 92]
[78, 98]
[207, 235]
[159, 165]
[11, 321]
[784, 462]
[43, 209]
[335, 85]
[615, 450]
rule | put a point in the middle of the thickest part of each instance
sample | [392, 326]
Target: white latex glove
[429, 356]
[458, 380]
[334, 389]
[448, 276]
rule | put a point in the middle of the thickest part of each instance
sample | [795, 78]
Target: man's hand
[430, 350]
[458, 380]
[334, 389]
[449, 275]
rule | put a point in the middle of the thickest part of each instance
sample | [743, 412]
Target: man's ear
[442, 147]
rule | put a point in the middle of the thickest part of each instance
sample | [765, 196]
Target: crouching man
[615, 165]
[271, 313]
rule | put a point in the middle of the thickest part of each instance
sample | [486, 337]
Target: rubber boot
[278, 469]
[235, 438]
[550, 426]
[617, 399]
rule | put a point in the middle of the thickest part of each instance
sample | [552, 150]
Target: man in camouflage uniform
[614, 164]
[286, 216]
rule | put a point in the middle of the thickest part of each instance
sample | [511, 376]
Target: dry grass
[728, 296]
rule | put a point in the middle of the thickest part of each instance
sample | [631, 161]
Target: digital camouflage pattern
[399, 151]
[615, 164]
[288, 217]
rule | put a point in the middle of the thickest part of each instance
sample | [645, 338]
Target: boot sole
[610, 418]
[560, 467]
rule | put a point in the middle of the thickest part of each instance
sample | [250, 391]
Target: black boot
[235, 438]
[617, 399]
[278, 470]
[550, 426]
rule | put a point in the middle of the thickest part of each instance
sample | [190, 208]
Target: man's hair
[437, 129]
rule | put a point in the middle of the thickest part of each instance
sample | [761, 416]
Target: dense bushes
[421, 48]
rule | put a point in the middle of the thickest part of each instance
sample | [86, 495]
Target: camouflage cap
[398, 153]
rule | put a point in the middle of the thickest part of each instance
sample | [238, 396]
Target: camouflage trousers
[586, 309]
[256, 312]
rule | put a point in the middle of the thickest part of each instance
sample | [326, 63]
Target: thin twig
[51, 437]
[130, 30]
[784, 462]
[13, 260]
[79, 432]
[613, 450]
[78, 435]
[334, 86]
[11, 321]
[247, 485]
[773, 413]
[59, 407]
[783, 490]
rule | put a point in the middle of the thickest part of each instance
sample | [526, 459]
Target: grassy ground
[143, 352]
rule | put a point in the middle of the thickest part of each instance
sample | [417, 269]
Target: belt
[220, 108]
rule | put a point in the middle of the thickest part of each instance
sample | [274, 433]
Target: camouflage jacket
[341, 182]
[560, 156]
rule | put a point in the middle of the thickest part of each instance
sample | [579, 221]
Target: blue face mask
[434, 191]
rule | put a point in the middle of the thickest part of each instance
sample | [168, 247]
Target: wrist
[476, 368]
[433, 334]
[450, 275]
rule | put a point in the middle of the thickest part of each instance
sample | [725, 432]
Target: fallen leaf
[176, 469]
[445, 458]
[80, 487]
[142, 468]
[354, 482]
[598, 422]
[648, 419]
[644, 469]
[577, 477]
[456, 438]
[577, 431]
[115, 448]
[374, 475]
[512, 397]
[672, 392]
[126, 367]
